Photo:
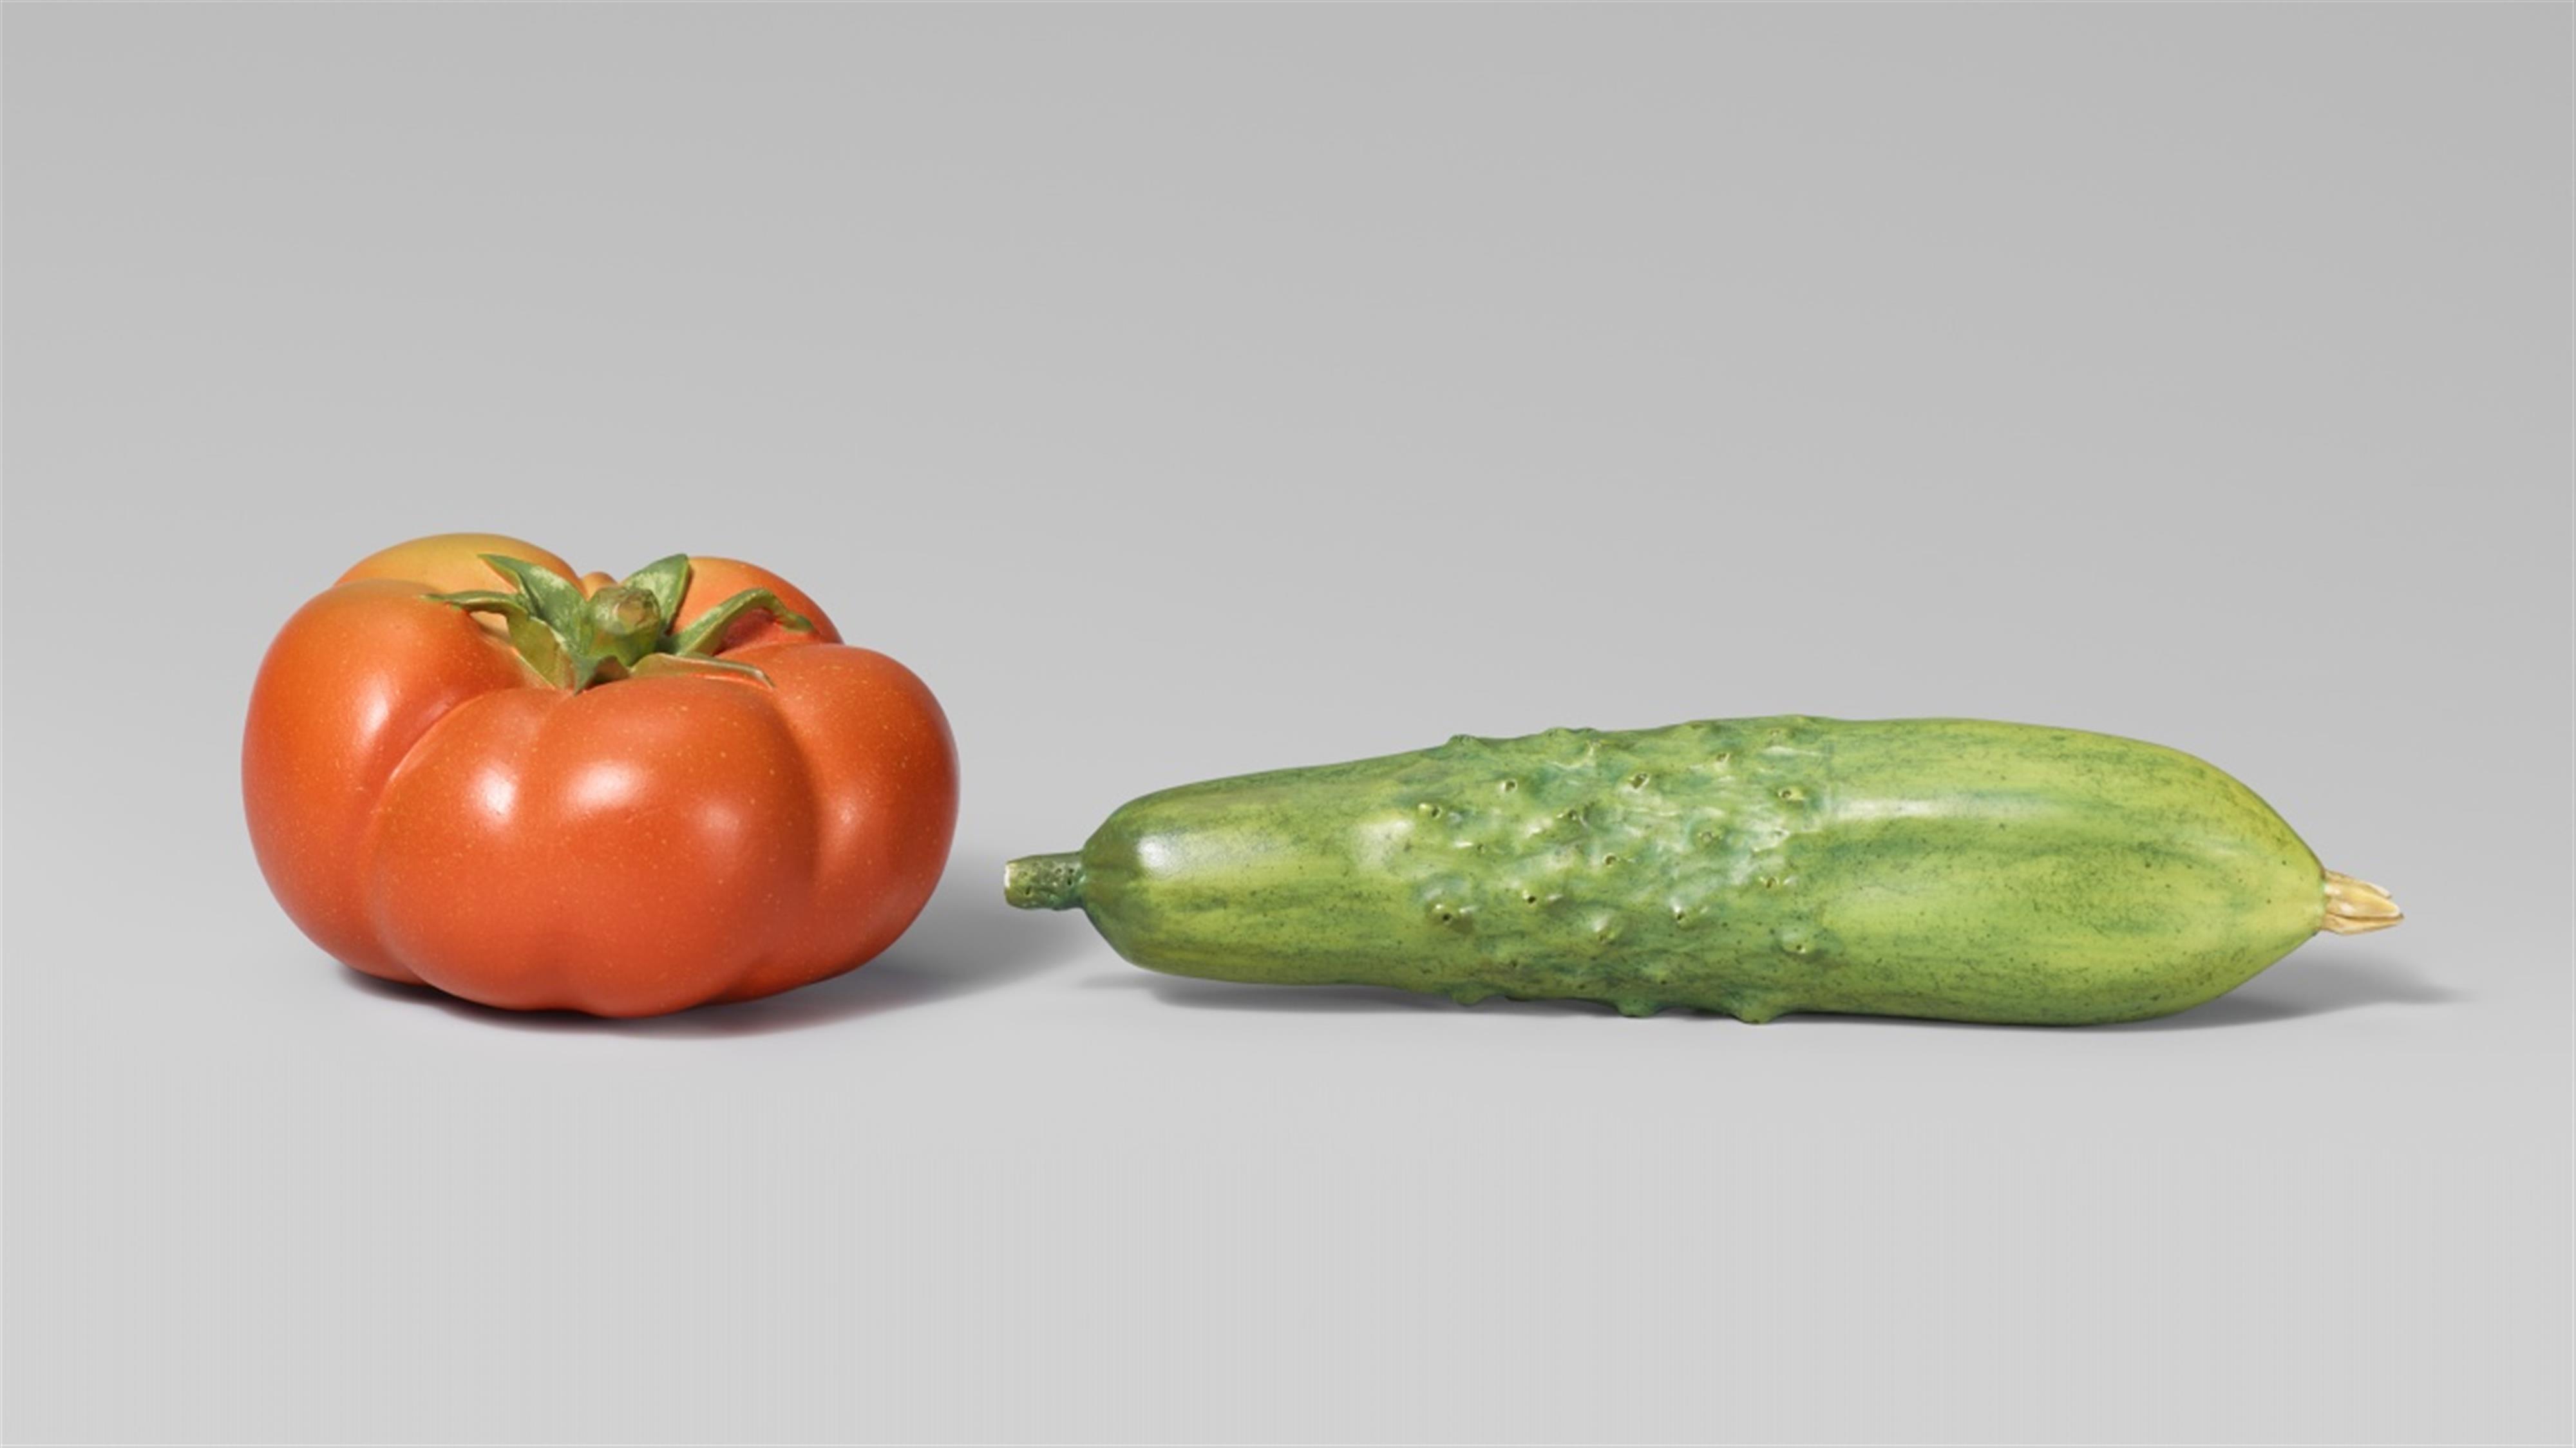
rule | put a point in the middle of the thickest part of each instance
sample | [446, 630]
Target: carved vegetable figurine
[616, 797]
[1945, 868]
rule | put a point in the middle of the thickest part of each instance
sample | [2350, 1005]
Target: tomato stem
[624, 622]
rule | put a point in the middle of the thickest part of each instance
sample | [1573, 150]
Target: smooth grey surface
[1184, 392]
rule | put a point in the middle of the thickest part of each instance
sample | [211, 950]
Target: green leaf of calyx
[544, 651]
[478, 600]
[554, 599]
[707, 635]
[681, 666]
[666, 580]
[539, 646]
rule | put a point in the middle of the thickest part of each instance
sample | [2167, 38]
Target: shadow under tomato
[2287, 991]
[967, 940]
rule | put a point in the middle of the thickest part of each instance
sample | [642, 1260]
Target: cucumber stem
[2357, 907]
[1043, 882]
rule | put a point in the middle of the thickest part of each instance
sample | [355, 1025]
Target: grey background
[1187, 392]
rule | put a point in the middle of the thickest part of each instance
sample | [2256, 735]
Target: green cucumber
[1949, 868]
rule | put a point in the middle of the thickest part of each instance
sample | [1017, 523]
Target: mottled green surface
[1924, 867]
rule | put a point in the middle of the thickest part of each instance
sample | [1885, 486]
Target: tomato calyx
[573, 640]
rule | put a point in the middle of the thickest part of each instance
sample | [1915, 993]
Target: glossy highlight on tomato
[623, 798]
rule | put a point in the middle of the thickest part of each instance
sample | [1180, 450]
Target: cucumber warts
[1947, 868]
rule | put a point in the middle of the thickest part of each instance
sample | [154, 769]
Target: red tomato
[430, 806]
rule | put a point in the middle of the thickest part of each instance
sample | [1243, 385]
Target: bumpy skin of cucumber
[1956, 869]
